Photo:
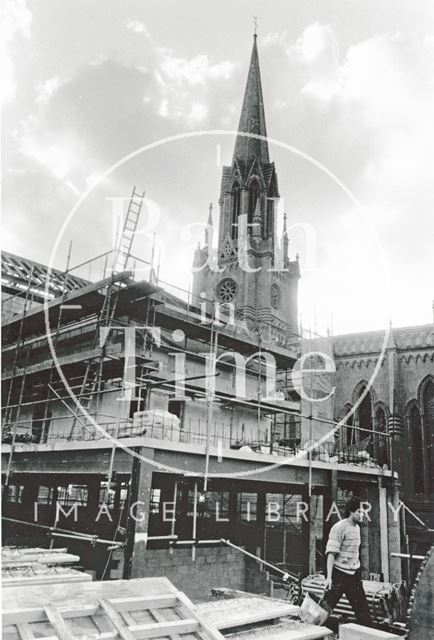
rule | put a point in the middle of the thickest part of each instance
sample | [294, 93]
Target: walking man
[343, 563]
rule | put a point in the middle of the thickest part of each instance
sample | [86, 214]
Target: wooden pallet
[112, 610]
[236, 612]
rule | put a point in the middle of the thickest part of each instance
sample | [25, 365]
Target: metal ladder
[123, 250]
[91, 382]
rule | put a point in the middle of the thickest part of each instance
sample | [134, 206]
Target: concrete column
[364, 550]
[330, 497]
[394, 535]
[384, 542]
[260, 523]
[313, 508]
[374, 536]
[93, 488]
[138, 513]
[306, 533]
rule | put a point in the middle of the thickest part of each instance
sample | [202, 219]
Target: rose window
[226, 290]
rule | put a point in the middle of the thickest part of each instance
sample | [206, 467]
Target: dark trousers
[352, 587]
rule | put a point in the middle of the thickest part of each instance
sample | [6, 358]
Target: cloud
[195, 70]
[47, 89]
[365, 112]
[16, 23]
[362, 107]
[137, 27]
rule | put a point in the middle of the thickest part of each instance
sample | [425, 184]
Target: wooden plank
[75, 594]
[116, 620]
[58, 623]
[159, 618]
[9, 551]
[225, 617]
[15, 616]
[129, 620]
[49, 578]
[60, 602]
[211, 631]
[39, 559]
[283, 632]
[143, 602]
[161, 629]
[25, 631]
[38, 614]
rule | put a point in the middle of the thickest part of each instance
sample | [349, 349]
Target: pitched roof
[20, 275]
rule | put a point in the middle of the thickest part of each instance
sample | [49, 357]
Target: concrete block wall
[213, 567]
[257, 580]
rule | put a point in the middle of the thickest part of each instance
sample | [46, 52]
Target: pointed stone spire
[209, 225]
[256, 220]
[252, 119]
[285, 240]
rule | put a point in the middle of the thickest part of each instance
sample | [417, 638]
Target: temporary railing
[220, 437]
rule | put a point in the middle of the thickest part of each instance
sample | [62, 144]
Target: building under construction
[142, 427]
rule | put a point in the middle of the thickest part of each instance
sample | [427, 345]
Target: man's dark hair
[352, 505]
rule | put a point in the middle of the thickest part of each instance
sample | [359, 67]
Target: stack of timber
[387, 601]
[17, 576]
[25, 557]
[244, 616]
[111, 610]
[25, 566]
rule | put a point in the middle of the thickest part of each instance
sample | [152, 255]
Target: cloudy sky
[347, 83]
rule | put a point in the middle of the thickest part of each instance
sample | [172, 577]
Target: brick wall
[213, 567]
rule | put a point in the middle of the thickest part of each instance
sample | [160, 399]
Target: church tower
[251, 270]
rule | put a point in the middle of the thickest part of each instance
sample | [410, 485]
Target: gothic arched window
[416, 444]
[349, 431]
[428, 425]
[382, 448]
[253, 199]
[362, 417]
[270, 218]
[235, 210]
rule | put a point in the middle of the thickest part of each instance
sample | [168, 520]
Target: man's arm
[330, 564]
[332, 549]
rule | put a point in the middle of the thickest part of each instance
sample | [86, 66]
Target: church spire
[252, 119]
[209, 226]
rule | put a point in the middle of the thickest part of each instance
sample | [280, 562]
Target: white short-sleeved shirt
[344, 543]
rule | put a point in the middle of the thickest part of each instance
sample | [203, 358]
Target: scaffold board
[111, 610]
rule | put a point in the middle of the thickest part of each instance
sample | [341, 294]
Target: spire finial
[255, 25]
